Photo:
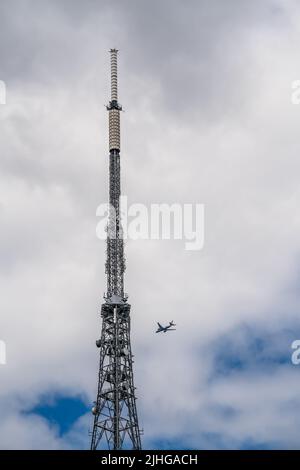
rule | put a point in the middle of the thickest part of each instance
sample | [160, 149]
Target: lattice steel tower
[115, 415]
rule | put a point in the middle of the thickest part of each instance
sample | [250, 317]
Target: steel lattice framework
[115, 415]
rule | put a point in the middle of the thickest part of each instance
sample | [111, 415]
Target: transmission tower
[115, 415]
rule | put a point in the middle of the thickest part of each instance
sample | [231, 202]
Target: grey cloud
[205, 87]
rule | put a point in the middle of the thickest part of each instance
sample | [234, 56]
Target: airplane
[165, 328]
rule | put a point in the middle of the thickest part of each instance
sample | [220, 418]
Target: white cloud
[227, 138]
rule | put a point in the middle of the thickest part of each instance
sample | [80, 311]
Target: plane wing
[160, 326]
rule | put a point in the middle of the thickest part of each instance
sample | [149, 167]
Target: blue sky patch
[60, 411]
[249, 349]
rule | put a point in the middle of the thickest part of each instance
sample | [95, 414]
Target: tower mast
[115, 415]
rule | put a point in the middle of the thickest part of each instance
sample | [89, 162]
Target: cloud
[208, 118]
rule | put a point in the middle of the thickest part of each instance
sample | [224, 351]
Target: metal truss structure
[115, 414]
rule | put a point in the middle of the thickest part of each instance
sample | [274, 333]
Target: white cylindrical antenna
[114, 74]
[114, 108]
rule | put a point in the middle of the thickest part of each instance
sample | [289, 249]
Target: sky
[206, 89]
